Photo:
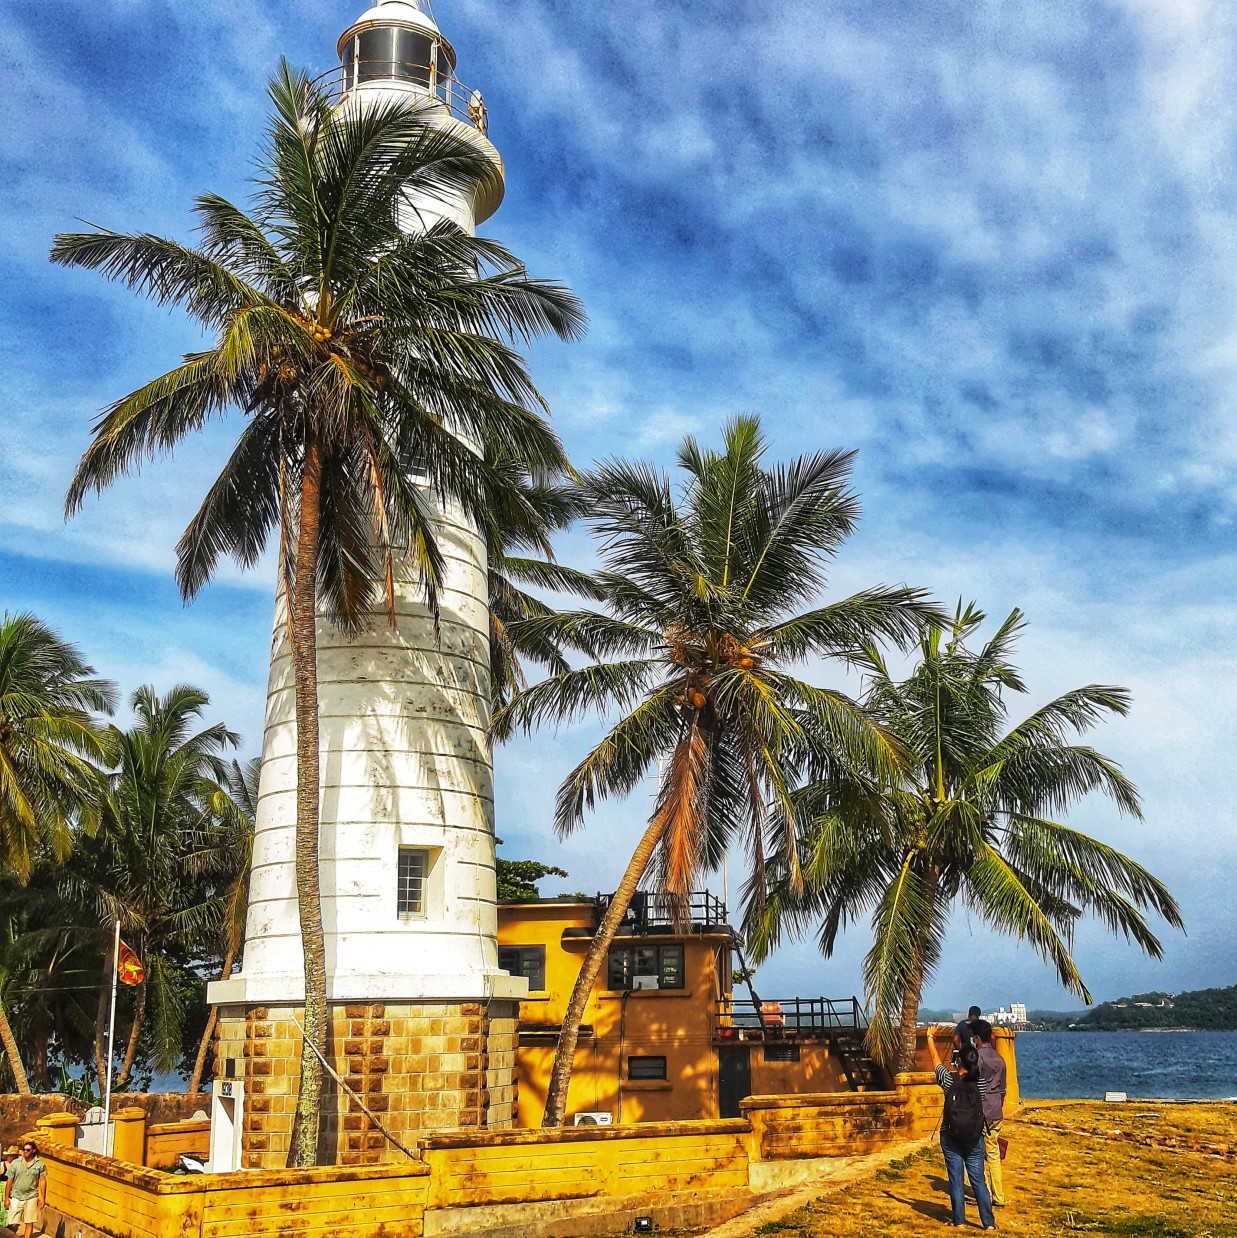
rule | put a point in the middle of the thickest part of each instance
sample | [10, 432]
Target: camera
[955, 1057]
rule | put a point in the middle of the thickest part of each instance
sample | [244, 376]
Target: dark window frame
[527, 961]
[648, 1068]
[664, 964]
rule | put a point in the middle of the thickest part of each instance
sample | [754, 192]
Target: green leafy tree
[356, 355]
[706, 613]
[161, 863]
[517, 879]
[970, 816]
[236, 814]
[50, 742]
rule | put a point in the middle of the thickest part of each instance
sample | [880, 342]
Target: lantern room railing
[426, 81]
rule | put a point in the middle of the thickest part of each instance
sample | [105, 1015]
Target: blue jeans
[973, 1158]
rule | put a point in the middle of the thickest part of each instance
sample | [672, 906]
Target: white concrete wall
[404, 762]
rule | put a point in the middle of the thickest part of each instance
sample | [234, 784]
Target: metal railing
[654, 911]
[790, 1018]
[423, 81]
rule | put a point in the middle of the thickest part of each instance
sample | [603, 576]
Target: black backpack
[964, 1113]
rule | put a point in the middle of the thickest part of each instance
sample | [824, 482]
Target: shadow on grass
[925, 1208]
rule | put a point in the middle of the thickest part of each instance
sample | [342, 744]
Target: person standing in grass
[962, 1132]
[25, 1191]
[992, 1068]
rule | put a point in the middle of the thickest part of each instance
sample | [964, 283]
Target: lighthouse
[422, 1018]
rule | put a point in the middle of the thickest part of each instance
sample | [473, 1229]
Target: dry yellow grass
[1104, 1182]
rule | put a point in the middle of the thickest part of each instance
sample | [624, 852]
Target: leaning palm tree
[970, 816]
[360, 357]
[50, 742]
[156, 864]
[704, 619]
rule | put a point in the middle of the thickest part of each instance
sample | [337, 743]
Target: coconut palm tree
[161, 863]
[971, 816]
[357, 356]
[706, 614]
[236, 813]
[50, 742]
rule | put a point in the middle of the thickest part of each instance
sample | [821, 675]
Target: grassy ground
[1105, 1182]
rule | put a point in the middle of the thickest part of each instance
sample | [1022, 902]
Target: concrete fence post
[58, 1128]
[129, 1141]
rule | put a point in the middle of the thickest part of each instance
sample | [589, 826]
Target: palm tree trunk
[302, 602]
[14, 1056]
[565, 1054]
[908, 1053]
[212, 1021]
[135, 1032]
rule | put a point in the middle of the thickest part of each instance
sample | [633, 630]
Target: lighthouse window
[412, 56]
[374, 53]
[413, 869]
[391, 51]
[524, 961]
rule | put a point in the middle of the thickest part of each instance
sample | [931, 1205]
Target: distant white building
[1015, 1016]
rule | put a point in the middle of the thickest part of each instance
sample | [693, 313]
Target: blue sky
[991, 245]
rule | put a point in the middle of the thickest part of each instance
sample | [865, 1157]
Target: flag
[129, 969]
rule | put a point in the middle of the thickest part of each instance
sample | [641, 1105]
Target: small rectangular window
[646, 1068]
[781, 1053]
[524, 961]
[410, 882]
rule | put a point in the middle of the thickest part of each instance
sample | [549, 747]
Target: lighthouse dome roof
[407, 13]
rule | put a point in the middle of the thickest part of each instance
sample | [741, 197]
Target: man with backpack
[962, 1131]
[992, 1068]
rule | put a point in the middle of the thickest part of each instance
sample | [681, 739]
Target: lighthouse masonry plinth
[422, 1018]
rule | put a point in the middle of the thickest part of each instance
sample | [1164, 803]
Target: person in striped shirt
[960, 1157]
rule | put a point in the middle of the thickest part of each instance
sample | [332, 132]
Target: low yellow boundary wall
[505, 1184]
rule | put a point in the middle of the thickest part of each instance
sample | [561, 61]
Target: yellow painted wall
[674, 1023]
[815, 1071]
[572, 1169]
[166, 1142]
[531, 1166]
[130, 1202]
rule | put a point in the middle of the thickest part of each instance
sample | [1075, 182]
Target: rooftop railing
[790, 1018]
[652, 911]
[423, 81]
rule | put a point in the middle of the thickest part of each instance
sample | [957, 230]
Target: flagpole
[111, 1030]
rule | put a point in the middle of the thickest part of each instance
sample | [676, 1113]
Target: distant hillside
[1213, 1010]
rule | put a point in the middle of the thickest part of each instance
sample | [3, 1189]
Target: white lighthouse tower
[423, 1019]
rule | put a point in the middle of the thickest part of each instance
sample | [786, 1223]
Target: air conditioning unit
[592, 1119]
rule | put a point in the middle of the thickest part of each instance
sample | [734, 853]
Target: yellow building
[664, 1038]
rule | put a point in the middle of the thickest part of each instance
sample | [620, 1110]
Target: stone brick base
[429, 1066]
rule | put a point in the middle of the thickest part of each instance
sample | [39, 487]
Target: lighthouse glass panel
[413, 868]
[390, 52]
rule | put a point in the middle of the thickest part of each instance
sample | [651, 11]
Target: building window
[646, 1068]
[781, 1053]
[645, 967]
[524, 961]
[414, 864]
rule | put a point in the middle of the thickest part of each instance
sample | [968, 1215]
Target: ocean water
[1147, 1065]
